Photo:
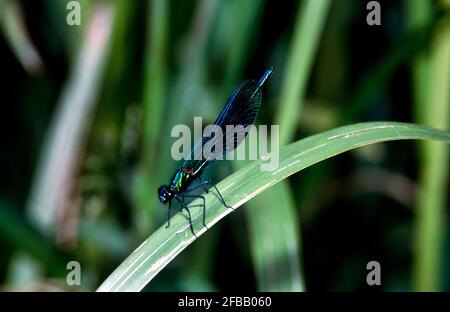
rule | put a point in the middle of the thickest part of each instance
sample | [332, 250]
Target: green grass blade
[275, 241]
[246, 16]
[433, 185]
[155, 84]
[274, 250]
[163, 245]
[155, 75]
[420, 14]
[308, 29]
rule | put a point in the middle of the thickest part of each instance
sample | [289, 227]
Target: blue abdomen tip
[266, 75]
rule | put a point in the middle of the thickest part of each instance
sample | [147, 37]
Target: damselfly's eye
[164, 194]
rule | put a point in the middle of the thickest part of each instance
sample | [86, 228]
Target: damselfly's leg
[221, 198]
[204, 183]
[183, 205]
[168, 214]
[204, 206]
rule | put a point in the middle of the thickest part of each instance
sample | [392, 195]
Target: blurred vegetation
[86, 140]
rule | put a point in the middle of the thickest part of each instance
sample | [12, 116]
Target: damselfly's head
[165, 194]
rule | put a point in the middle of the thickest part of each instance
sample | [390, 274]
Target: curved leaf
[165, 244]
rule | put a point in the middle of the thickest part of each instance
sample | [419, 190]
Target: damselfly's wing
[240, 111]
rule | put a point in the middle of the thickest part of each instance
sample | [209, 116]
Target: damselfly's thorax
[182, 179]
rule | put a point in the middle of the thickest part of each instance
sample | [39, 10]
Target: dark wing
[240, 109]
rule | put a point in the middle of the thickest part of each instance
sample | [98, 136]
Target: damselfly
[241, 109]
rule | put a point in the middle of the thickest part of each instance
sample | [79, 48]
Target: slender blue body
[240, 109]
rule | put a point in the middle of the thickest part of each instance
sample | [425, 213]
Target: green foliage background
[87, 113]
